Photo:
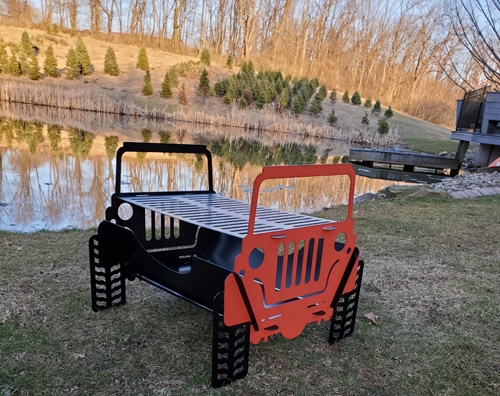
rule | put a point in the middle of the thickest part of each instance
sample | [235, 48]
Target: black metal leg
[230, 347]
[107, 283]
[344, 314]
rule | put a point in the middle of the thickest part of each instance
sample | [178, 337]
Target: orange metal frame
[284, 280]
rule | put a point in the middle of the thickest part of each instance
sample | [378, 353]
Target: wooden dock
[403, 165]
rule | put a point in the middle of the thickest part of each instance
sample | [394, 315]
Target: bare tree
[476, 23]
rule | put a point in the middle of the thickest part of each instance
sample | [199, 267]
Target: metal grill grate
[218, 213]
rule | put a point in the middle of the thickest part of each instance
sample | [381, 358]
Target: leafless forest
[416, 55]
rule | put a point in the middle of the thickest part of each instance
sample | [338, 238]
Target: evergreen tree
[332, 118]
[26, 45]
[24, 64]
[50, 64]
[251, 68]
[34, 69]
[204, 85]
[261, 98]
[298, 105]
[365, 120]
[4, 59]
[316, 107]
[383, 126]
[55, 29]
[389, 113]
[110, 64]
[205, 56]
[14, 67]
[377, 109]
[229, 62]
[368, 103]
[147, 88]
[333, 95]
[166, 87]
[73, 69]
[356, 99]
[323, 92]
[284, 98]
[182, 96]
[345, 97]
[174, 76]
[142, 60]
[83, 57]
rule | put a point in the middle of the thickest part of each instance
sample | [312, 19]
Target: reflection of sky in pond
[62, 183]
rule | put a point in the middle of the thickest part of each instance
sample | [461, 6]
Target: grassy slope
[432, 276]
[420, 135]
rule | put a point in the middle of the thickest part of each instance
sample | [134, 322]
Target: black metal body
[188, 248]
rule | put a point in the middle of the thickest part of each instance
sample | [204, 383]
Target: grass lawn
[432, 276]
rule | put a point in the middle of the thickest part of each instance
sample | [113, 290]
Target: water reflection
[56, 176]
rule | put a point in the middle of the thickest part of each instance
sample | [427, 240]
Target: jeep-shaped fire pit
[261, 271]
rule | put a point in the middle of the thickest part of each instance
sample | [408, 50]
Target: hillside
[127, 86]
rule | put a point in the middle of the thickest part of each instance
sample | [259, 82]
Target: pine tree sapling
[323, 92]
[316, 107]
[166, 87]
[14, 67]
[26, 45]
[356, 99]
[110, 65]
[377, 109]
[147, 88]
[383, 126]
[345, 97]
[229, 62]
[332, 118]
[204, 85]
[34, 69]
[205, 56]
[389, 113]
[368, 103]
[333, 95]
[72, 65]
[83, 57]
[4, 59]
[182, 96]
[142, 60]
[365, 120]
[50, 68]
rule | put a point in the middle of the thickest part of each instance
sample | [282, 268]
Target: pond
[58, 167]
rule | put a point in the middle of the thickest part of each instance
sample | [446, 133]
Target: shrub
[50, 64]
[166, 87]
[110, 65]
[368, 103]
[147, 88]
[142, 60]
[205, 56]
[365, 120]
[73, 69]
[356, 99]
[389, 113]
[377, 109]
[229, 62]
[383, 126]
[332, 118]
[83, 57]
[181, 96]
[345, 97]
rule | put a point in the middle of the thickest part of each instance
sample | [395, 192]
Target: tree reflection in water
[55, 177]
